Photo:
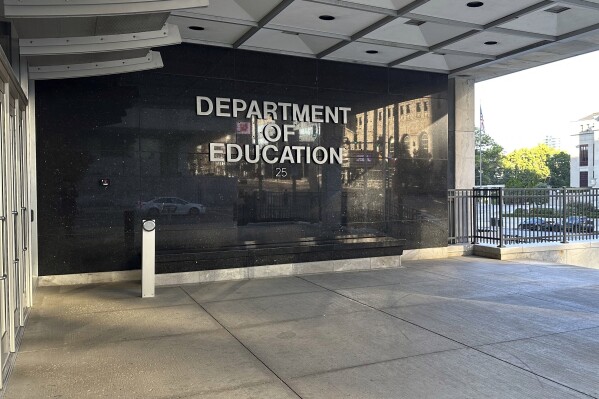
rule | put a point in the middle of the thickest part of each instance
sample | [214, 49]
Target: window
[401, 110]
[404, 148]
[425, 106]
[408, 109]
[584, 155]
[418, 107]
[424, 142]
[584, 179]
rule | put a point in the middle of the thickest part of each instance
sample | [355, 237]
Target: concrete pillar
[461, 143]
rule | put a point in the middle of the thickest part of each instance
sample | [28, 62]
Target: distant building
[584, 163]
[553, 142]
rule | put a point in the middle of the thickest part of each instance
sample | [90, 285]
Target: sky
[522, 108]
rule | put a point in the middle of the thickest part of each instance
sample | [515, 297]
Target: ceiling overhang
[446, 36]
[76, 38]
[483, 40]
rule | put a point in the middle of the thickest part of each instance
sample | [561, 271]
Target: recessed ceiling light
[372, 52]
[491, 43]
[557, 9]
[475, 4]
[414, 22]
[196, 28]
[327, 17]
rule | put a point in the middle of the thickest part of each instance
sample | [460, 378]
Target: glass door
[23, 169]
[14, 235]
[4, 256]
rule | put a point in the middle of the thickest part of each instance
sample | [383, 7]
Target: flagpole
[480, 147]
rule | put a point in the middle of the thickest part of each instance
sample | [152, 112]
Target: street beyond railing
[505, 216]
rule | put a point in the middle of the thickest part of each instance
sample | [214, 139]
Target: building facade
[584, 164]
[265, 138]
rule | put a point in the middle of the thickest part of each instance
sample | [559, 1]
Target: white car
[171, 206]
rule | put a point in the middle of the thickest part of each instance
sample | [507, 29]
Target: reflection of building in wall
[410, 123]
[584, 164]
[553, 142]
[413, 129]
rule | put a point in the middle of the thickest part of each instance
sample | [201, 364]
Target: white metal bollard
[148, 259]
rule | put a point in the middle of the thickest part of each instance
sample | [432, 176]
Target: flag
[482, 120]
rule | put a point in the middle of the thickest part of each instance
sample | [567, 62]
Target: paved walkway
[459, 328]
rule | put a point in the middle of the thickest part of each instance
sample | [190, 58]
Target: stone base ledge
[281, 270]
[289, 269]
[580, 253]
[89, 278]
[438, 253]
[244, 273]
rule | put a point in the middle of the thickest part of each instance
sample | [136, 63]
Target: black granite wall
[108, 146]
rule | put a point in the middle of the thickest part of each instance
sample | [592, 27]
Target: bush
[544, 212]
[520, 212]
[581, 208]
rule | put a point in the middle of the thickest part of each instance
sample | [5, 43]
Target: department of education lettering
[272, 132]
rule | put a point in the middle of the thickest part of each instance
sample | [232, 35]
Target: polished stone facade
[113, 150]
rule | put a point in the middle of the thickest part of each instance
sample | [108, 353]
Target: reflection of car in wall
[171, 206]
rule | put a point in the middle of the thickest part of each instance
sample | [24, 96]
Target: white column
[148, 259]
[462, 174]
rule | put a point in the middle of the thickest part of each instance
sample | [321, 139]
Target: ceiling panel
[214, 32]
[426, 34]
[390, 4]
[549, 23]
[505, 43]
[458, 11]
[358, 51]
[75, 59]
[305, 15]
[289, 42]
[247, 10]
[443, 62]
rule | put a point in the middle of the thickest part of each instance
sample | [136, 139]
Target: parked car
[580, 224]
[534, 224]
[171, 206]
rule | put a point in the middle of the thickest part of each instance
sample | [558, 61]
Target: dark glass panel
[140, 133]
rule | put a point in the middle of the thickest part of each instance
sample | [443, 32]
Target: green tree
[528, 167]
[492, 155]
[559, 169]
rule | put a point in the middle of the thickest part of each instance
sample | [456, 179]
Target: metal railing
[507, 216]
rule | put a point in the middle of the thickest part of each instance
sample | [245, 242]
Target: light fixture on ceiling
[475, 4]
[557, 9]
[327, 17]
[372, 52]
[491, 43]
[197, 28]
[414, 22]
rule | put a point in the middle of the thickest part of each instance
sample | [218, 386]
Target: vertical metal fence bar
[564, 216]
[501, 244]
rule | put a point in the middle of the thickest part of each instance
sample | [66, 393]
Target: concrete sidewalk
[456, 328]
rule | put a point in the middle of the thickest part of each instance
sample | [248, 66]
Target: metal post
[474, 218]
[148, 259]
[564, 216]
[500, 221]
